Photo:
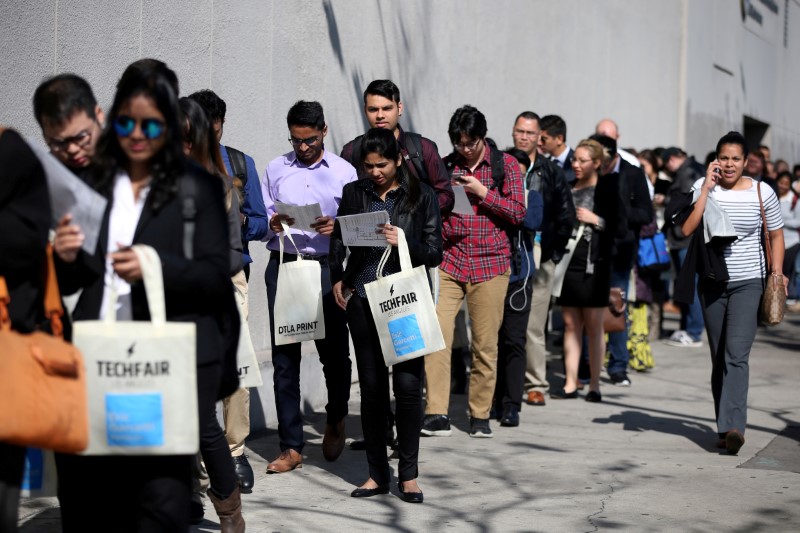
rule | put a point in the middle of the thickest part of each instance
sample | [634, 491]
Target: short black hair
[734, 137]
[608, 143]
[519, 155]
[213, 105]
[59, 98]
[385, 88]
[148, 64]
[528, 115]
[784, 174]
[468, 121]
[554, 126]
[305, 113]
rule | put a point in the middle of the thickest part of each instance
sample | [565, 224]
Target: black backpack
[413, 142]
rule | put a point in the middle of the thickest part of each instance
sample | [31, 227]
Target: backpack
[239, 170]
[413, 154]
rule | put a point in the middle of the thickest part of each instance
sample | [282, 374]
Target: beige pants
[485, 306]
[536, 371]
[236, 407]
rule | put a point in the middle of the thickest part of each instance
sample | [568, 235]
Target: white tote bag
[249, 372]
[403, 309]
[561, 268]
[298, 312]
[141, 376]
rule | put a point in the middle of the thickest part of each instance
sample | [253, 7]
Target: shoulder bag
[773, 301]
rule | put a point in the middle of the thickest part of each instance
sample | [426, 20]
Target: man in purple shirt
[307, 175]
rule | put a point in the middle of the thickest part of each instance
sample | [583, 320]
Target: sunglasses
[152, 128]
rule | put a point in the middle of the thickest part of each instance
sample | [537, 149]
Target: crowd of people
[532, 241]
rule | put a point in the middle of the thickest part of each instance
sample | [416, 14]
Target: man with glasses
[549, 245]
[71, 120]
[308, 174]
[476, 266]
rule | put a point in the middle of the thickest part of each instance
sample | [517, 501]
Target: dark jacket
[559, 211]
[635, 196]
[522, 261]
[610, 209]
[197, 290]
[24, 224]
[689, 172]
[422, 228]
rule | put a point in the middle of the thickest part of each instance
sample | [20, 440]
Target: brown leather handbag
[42, 381]
[614, 314]
[773, 301]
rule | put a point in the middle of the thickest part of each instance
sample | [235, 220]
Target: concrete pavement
[643, 460]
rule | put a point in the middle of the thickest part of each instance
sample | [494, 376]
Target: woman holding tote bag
[143, 172]
[412, 206]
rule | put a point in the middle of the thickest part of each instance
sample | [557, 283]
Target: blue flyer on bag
[406, 335]
[134, 419]
[33, 478]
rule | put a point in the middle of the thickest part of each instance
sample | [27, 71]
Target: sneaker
[436, 426]
[682, 339]
[479, 428]
[621, 379]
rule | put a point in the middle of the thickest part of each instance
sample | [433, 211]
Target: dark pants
[213, 444]
[12, 464]
[334, 354]
[374, 382]
[731, 317]
[619, 357]
[511, 355]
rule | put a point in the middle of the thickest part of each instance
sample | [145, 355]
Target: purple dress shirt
[289, 181]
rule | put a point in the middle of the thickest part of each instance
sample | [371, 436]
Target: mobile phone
[717, 171]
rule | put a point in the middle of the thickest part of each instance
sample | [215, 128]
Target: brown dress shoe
[733, 441]
[333, 441]
[535, 397]
[287, 461]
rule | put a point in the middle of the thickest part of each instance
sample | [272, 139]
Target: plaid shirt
[476, 247]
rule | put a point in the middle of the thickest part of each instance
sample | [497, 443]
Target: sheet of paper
[359, 230]
[69, 194]
[303, 215]
[462, 205]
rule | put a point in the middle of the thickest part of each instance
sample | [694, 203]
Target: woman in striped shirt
[730, 308]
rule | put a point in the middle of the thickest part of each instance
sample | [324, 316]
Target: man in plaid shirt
[476, 265]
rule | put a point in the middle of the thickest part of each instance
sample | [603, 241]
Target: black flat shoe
[594, 397]
[361, 492]
[563, 395]
[410, 497]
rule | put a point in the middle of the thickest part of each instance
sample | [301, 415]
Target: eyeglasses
[311, 141]
[81, 140]
[469, 146]
[152, 128]
[523, 133]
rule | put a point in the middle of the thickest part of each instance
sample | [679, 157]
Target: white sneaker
[681, 339]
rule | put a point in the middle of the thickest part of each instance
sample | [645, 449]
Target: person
[511, 355]
[587, 277]
[549, 244]
[475, 266]
[306, 175]
[790, 214]
[253, 226]
[553, 143]
[139, 168]
[730, 289]
[609, 128]
[413, 207]
[25, 219]
[71, 119]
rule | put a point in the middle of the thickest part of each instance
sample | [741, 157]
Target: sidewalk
[643, 460]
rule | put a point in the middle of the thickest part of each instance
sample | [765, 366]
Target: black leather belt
[323, 259]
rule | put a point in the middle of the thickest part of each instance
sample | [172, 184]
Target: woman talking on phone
[412, 206]
[731, 276]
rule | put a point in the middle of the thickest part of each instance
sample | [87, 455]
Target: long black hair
[169, 162]
[383, 142]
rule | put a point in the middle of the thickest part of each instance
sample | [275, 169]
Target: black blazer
[635, 196]
[197, 290]
[608, 206]
[422, 228]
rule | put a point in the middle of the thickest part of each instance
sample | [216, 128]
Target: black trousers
[145, 493]
[511, 355]
[12, 464]
[374, 382]
[334, 354]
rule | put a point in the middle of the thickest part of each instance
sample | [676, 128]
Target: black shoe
[594, 397]
[358, 445]
[436, 426]
[244, 473]
[410, 497]
[496, 412]
[195, 512]
[620, 379]
[560, 394]
[479, 428]
[366, 493]
[510, 417]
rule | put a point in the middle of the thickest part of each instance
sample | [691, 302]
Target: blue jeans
[618, 342]
[691, 315]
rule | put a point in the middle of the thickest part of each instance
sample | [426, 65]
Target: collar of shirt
[290, 159]
[487, 160]
[616, 165]
[562, 159]
[370, 187]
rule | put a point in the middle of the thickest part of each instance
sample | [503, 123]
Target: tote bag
[141, 376]
[403, 310]
[298, 312]
[653, 255]
[249, 372]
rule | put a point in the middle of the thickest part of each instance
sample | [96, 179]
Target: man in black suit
[553, 143]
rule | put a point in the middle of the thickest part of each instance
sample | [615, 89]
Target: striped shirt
[744, 257]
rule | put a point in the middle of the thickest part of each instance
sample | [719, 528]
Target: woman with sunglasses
[413, 207]
[140, 169]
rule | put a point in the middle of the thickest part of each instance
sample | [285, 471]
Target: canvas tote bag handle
[280, 242]
[153, 279]
[402, 250]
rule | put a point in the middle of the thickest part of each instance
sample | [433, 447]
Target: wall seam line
[55, 41]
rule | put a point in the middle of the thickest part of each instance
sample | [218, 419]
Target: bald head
[608, 128]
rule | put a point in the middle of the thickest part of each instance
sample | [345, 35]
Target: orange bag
[42, 380]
